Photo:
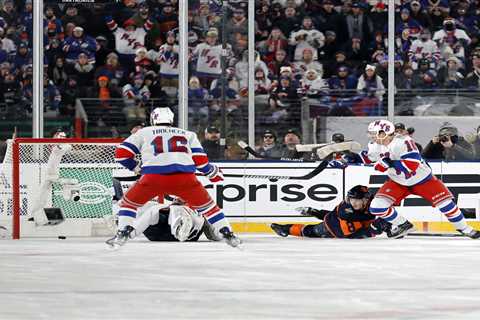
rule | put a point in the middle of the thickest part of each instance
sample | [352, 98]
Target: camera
[444, 138]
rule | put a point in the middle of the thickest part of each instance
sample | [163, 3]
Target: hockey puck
[62, 237]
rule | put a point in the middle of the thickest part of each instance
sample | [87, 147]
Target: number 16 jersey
[164, 150]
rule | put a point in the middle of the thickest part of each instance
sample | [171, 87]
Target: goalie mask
[161, 116]
[184, 222]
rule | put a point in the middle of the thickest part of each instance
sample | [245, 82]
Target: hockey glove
[338, 164]
[138, 168]
[383, 164]
[215, 174]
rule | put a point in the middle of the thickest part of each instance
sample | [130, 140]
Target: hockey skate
[401, 230]
[230, 238]
[121, 237]
[474, 234]
[281, 230]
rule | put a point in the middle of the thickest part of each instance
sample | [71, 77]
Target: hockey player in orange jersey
[170, 157]
[349, 219]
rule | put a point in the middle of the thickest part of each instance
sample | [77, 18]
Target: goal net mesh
[89, 165]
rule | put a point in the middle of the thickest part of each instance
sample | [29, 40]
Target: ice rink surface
[272, 278]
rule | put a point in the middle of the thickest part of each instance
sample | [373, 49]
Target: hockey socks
[455, 216]
[215, 217]
[389, 215]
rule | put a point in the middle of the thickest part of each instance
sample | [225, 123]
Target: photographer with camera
[448, 145]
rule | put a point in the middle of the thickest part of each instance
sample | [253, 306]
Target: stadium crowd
[329, 53]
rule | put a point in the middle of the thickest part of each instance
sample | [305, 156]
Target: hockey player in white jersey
[170, 157]
[408, 173]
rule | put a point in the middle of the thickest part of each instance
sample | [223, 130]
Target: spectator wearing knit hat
[78, 43]
[448, 145]
[269, 147]
[370, 84]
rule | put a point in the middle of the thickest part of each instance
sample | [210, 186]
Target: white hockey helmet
[161, 116]
[377, 126]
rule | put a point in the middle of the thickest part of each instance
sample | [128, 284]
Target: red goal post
[27, 162]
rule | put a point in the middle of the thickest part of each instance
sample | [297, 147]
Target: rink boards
[253, 203]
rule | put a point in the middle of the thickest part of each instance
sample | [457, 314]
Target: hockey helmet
[358, 192]
[377, 126]
[161, 116]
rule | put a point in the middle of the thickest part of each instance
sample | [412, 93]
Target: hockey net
[75, 167]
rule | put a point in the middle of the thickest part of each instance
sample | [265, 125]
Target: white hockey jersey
[164, 150]
[167, 59]
[128, 42]
[409, 166]
[208, 58]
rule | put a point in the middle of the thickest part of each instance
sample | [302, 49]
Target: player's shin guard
[455, 216]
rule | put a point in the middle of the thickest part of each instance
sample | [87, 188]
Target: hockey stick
[308, 176]
[254, 153]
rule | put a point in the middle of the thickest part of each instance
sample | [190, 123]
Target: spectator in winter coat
[270, 148]
[83, 70]
[451, 76]
[448, 145]
[72, 16]
[307, 63]
[275, 41]
[112, 69]
[23, 56]
[135, 96]
[370, 84]
[79, 43]
[197, 102]
[306, 38]
[279, 62]
[358, 24]
[472, 80]
[211, 144]
[341, 81]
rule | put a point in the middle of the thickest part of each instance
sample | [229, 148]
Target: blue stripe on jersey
[131, 147]
[456, 219]
[448, 207]
[216, 218]
[198, 150]
[129, 163]
[205, 169]
[172, 168]
[412, 155]
[397, 164]
[127, 213]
